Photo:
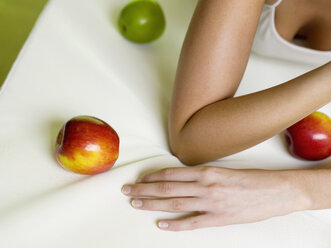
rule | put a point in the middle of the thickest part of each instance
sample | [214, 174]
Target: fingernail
[163, 224]
[137, 203]
[126, 190]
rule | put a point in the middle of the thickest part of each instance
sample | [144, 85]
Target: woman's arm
[317, 185]
[206, 122]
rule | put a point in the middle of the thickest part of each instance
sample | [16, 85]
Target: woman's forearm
[232, 125]
[206, 122]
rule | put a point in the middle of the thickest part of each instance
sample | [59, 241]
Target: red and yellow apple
[87, 145]
[310, 138]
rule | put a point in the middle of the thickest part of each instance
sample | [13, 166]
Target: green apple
[142, 21]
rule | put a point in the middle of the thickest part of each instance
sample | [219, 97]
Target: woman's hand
[217, 196]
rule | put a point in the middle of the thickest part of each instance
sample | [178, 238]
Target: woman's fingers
[163, 189]
[188, 223]
[173, 174]
[169, 205]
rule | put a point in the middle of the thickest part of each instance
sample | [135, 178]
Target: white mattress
[76, 62]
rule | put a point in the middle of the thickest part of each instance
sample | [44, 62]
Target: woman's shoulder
[270, 1]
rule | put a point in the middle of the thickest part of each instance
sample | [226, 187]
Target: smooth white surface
[76, 62]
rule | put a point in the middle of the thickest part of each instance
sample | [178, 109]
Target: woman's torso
[297, 30]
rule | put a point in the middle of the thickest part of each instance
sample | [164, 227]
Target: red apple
[310, 138]
[87, 145]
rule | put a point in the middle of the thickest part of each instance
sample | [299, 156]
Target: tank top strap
[273, 5]
[276, 3]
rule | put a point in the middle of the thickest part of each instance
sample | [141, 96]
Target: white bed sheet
[76, 62]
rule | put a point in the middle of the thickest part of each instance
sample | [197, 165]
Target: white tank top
[268, 42]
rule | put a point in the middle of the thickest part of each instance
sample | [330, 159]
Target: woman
[202, 122]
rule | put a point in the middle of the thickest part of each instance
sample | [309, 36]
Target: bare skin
[212, 62]
[204, 114]
[312, 21]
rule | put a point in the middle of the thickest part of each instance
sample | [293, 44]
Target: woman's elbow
[188, 153]
[185, 158]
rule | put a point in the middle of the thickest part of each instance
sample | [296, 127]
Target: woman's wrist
[297, 181]
[313, 188]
